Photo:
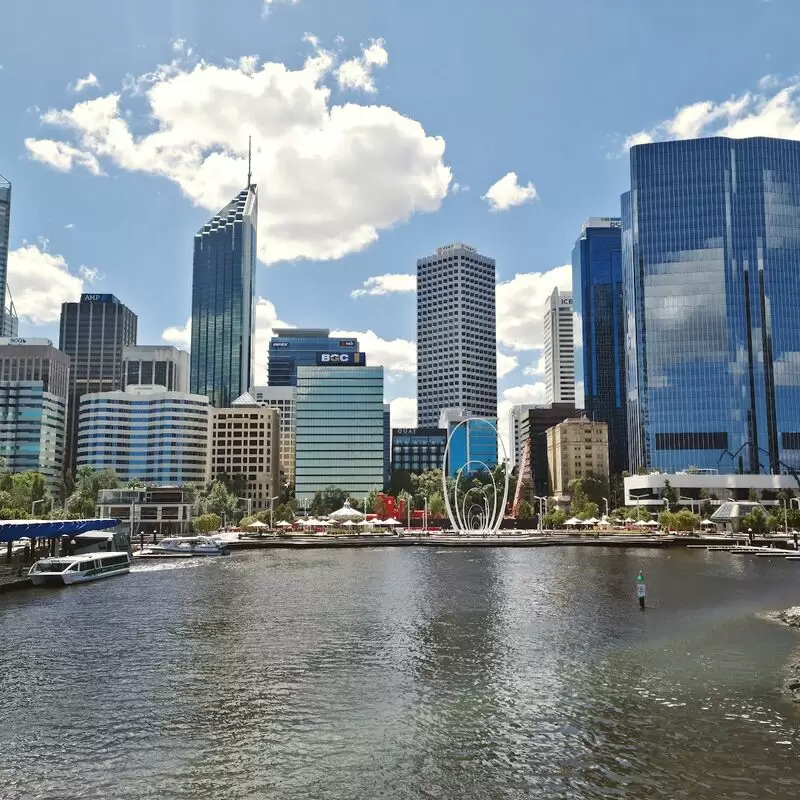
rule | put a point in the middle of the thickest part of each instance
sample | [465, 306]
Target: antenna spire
[249, 161]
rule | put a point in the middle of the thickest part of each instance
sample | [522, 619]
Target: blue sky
[379, 128]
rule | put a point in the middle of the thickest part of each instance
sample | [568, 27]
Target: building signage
[566, 301]
[341, 359]
[97, 298]
[347, 343]
[24, 340]
[279, 344]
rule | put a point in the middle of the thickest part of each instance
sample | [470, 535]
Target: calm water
[410, 673]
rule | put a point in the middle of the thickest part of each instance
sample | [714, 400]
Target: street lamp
[605, 500]
[690, 501]
[271, 501]
[249, 501]
[542, 505]
[33, 505]
[785, 517]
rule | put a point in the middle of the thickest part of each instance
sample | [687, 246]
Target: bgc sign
[341, 359]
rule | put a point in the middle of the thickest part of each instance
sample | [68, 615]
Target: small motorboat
[186, 547]
[66, 570]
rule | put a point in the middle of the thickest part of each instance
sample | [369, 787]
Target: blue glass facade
[473, 446]
[339, 435]
[387, 444]
[5, 225]
[711, 271]
[223, 301]
[291, 348]
[598, 299]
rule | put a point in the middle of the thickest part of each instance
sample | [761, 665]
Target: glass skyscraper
[291, 348]
[340, 434]
[597, 298]
[711, 272]
[6, 326]
[223, 301]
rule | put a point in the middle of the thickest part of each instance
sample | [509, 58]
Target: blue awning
[11, 530]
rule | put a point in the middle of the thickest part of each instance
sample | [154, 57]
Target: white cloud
[403, 412]
[507, 193]
[178, 46]
[357, 72]
[69, 226]
[85, 83]
[528, 394]
[61, 156]
[505, 364]
[90, 274]
[395, 355]
[520, 306]
[749, 114]
[268, 4]
[386, 284]
[39, 283]
[334, 176]
[179, 336]
[535, 370]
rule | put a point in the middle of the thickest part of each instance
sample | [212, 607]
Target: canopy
[573, 521]
[651, 522]
[592, 521]
[604, 522]
[283, 524]
[345, 512]
[706, 522]
[309, 521]
[589, 522]
[258, 524]
[321, 523]
[348, 524]
[640, 524]
[364, 523]
[390, 521]
[11, 530]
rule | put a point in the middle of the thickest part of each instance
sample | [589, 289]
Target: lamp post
[605, 500]
[785, 517]
[690, 501]
[271, 502]
[542, 505]
[33, 505]
[249, 502]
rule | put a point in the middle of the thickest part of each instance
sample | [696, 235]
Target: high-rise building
[576, 448]
[710, 253]
[417, 449]
[559, 348]
[387, 444]
[597, 300]
[291, 348]
[473, 446]
[223, 301]
[245, 447]
[34, 387]
[160, 365]
[5, 229]
[145, 433]
[284, 399]
[456, 334]
[339, 430]
[515, 417]
[93, 333]
[10, 323]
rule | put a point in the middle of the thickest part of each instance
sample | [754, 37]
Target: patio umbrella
[640, 524]
[587, 522]
[348, 524]
[604, 522]
[258, 524]
[321, 523]
[592, 521]
[390, 521]
[706, 522]
[651, 523]
[283, 524]
[364, 523]
[573, 521]
[309, 521]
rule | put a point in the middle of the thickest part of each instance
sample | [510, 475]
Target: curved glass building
[711, 274]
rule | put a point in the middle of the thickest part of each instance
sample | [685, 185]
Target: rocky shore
[791, 617]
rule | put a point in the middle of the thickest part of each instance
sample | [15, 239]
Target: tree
[554, 519]
[775, 522]
[436, 507]
[668, 520]
[706, 506]
[207, 523]
[755, 521]
[589, 510]
[669, 493]
[524, 510]
[220, 501]
[686, 521]
[283, 513]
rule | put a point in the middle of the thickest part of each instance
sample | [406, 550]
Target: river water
[404, 673]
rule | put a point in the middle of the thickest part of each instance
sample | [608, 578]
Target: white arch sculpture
[491, 523]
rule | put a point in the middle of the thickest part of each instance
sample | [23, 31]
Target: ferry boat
[186, 547]
[66, 570]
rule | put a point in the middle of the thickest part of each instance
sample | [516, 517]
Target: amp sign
[341, 359]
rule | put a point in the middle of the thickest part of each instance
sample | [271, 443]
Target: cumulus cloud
[386, 284]
[531, 394]
[507, 193]
[505, 364]
[403, 412]
[759, 113]
[40, 282]
[85, 83]
[395, 355]
[269, 4]
[61, 156]
[334, 175]
[520, 306]
[536, 369]
[179, 335]
[357, 72]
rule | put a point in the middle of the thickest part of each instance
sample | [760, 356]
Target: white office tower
[515, 417]
[559, 349]
[283, 398]
[456, 334]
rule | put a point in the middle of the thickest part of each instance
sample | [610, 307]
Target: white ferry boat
[186, 547]
[65, 570]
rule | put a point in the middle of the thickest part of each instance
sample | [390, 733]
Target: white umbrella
[573, 521]
[346, 512]
[640, 524]
[309, 521]
[651, 523]
[348, 524]
[364, 523]
[283, 524]
[390, 521]
[592, 521]
[587, 522]
[321, 523]
[258, 524]
[706, 522]
[604, 522]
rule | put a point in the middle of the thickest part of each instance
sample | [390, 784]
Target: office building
[598, 303]
[418, 449]
[576, 448]
[145, 433]
[223, 301]
[290, 348]
[515, 417]
[10, 323]
[535, 473]
[93, 332]
[5, 230]
[245, 447]
[710, 253]
[340, 435]
[559, 348]
[34, 391]
[473, 447]
[387, 444]
[456, 334]
[161, 365]
[284, 399]
[154, 511]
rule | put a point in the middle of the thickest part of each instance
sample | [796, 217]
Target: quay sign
[97, 298]
[341, 359]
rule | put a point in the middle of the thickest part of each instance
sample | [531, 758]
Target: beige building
[575, 448]
[284, 398]
[245, 444]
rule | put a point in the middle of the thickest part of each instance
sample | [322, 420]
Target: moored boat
[186, 547]
[66, 570]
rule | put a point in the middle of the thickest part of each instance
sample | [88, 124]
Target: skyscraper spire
[249, 161]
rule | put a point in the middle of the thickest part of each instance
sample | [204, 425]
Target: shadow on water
[406, 674]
